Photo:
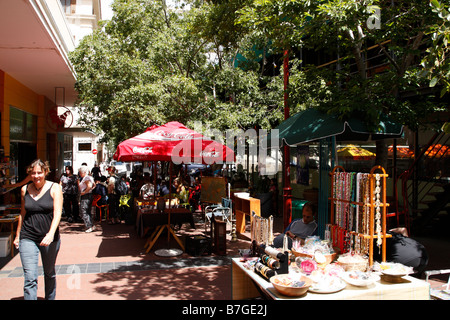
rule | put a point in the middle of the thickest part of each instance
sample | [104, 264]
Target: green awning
[312, 125]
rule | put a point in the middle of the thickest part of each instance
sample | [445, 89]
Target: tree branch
[391, 60]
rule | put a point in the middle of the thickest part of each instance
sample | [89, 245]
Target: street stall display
[358, 212]
[278, 274]
[330, 284]
[340, 266]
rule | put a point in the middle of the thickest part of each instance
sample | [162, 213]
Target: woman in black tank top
[38, 229]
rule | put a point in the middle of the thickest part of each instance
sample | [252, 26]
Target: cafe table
[149, 218]
[246, 284]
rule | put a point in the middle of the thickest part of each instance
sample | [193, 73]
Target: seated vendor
[402, 249]
[299, 229]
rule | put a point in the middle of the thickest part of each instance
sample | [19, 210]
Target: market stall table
[152, 218]
[247, 284]
[140, 202]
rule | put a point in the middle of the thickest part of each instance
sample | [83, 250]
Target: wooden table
[152, 218]
[147, 219]
[247, 284]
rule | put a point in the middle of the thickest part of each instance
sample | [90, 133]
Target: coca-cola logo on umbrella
[142, 150]
[174, 135]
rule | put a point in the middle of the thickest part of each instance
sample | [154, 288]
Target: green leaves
[436, 62]
[370, 66]
[150, 64]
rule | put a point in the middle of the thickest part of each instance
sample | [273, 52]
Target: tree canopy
[151, 64]
[436, 63]
[374, 50]
[220, 62]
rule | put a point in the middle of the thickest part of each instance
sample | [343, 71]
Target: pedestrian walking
[69, 184]
[85, 187]
[38, 229]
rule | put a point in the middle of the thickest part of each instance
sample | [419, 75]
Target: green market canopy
[312, 125]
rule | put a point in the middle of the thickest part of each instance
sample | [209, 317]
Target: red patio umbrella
[176, 143]
[173, 142]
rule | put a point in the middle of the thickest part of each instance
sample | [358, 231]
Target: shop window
[68, 6]
[23, 126]
[84, 146]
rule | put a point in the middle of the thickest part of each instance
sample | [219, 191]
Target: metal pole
[287, 190]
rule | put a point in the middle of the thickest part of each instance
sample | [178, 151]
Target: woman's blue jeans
[29, 255]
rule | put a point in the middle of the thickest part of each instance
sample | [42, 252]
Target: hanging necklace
[378, 211]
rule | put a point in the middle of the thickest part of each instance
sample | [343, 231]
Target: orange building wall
[13, 93]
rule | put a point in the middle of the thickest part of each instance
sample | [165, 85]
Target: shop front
[25, 134]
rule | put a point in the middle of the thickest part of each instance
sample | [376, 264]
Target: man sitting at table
[299, 229]
[148, 189]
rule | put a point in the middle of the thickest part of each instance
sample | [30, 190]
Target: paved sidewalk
[111, 264]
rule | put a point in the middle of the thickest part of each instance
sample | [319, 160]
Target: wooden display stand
[338, 233]
[243, 207]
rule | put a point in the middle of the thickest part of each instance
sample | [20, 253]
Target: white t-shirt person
[298, 229]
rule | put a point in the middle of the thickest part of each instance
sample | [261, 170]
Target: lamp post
[287, 190]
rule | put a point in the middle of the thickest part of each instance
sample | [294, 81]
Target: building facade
[37, 81]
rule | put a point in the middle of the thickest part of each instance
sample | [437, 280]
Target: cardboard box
[5, 244]
[198, 245]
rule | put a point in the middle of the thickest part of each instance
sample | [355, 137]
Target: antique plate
[359, 281]
[395, 269]
[337, 285]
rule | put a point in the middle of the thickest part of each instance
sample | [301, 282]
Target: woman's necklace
[38, 190]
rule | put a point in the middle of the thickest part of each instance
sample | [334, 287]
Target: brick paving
[111, 264]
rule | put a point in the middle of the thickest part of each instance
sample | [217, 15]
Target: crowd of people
[89, 187]
[186, 188]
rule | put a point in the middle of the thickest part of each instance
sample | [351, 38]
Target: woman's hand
[48, 239]
[16, 242]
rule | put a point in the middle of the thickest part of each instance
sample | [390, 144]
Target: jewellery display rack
[270, 262]
[370, 208]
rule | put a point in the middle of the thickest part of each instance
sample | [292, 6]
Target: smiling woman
[38, 229]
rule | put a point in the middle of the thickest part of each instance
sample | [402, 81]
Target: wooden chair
[96, 198]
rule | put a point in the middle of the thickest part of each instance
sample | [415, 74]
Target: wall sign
[59, 118]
